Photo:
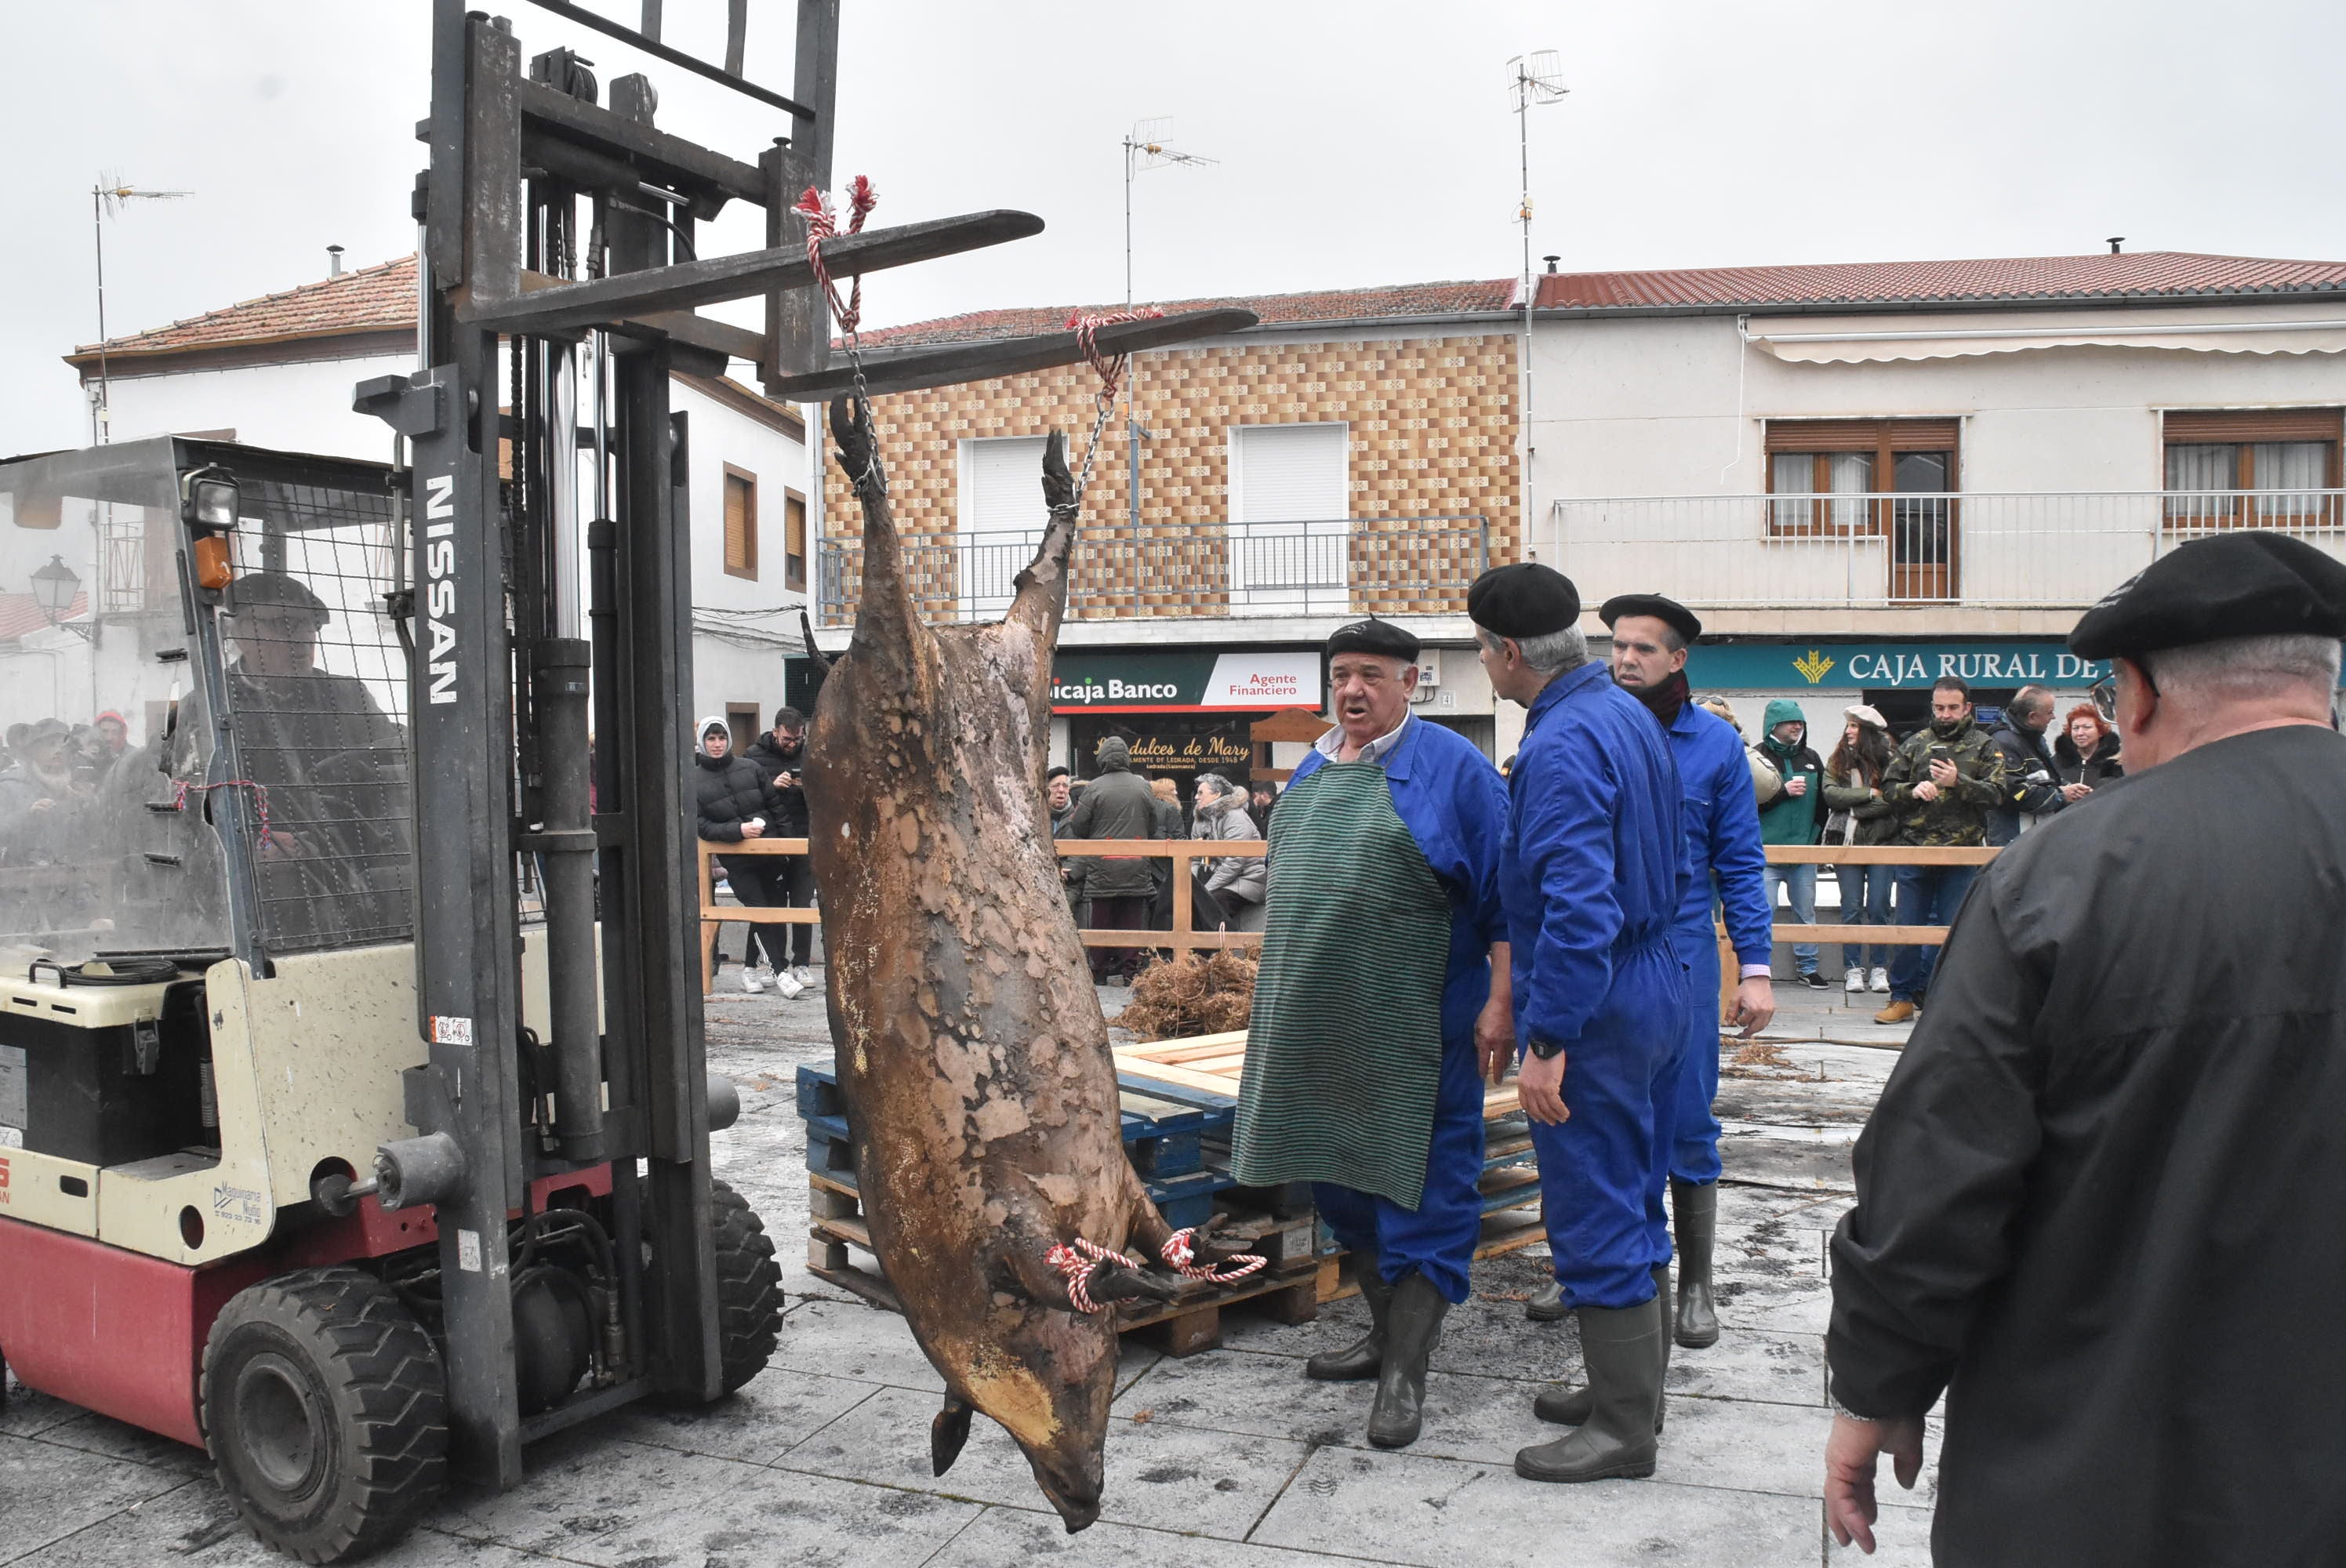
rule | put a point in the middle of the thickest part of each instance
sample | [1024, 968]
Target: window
[1290, 502]
[2252, 468]
[794, 542]
[1854, 458]
[1002, 518]
[741, 523]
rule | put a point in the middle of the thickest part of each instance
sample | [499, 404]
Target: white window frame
[986, 563]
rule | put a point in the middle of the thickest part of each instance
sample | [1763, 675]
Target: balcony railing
[1987, 550]
[1356, 566]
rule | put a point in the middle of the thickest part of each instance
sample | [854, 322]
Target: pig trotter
[1112, 1282]
[947, 1432]
[1058, 485]
[1198, 1254]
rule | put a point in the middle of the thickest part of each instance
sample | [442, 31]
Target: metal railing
[1985, 549]
[1356, 566]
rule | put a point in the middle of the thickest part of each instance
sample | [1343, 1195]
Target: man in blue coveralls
[1591, 879]
[1383, 986]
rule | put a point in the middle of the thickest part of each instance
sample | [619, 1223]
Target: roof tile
[364, 300]
[2142, 274]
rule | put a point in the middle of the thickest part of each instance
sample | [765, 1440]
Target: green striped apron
[1343, 1060]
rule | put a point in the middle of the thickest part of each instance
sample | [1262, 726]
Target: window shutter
[740, 523]
[1005, 487]
[1293, 472]
[1861, 434]
[2253, 425]
[794, 542]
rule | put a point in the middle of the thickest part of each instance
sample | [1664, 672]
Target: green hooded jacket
[1791, 818]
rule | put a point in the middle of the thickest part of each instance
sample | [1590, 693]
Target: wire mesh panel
[317, 698]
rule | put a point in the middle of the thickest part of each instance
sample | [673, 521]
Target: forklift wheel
[325, 1412]
[749, 1287]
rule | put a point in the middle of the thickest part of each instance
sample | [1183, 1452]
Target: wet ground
[1230, 1457]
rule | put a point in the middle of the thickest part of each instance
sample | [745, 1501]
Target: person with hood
[2098, 1202]
[1796, 816]
[1941, 784]
[1116, 804]
[2086, 753]
[2032, 792]
[781, 753]
[1237, 882]
[734, 799]
[1862, 817]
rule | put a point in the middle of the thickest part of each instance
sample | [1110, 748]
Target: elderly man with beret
[2098, 1203]
[1384, 987]
[1596, 863]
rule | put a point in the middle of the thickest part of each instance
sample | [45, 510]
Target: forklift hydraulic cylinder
[559, 673]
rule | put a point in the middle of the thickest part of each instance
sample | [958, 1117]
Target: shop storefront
[1894, 677]
[1184, 712]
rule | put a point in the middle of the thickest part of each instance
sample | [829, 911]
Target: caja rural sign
[1897, 667]
[1200, 681]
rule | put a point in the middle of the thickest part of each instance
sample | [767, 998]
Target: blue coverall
[1454, 804]
[1722, 838]
[1591, 881]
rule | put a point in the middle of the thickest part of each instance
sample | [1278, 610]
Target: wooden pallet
[1287, 1289]
[1210, 1063]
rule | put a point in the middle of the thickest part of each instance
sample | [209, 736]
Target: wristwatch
[1546, 1050]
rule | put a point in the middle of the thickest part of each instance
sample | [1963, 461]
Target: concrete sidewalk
[1230, 1457]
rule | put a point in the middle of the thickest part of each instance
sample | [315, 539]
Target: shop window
[2262, 468]
[741, 523]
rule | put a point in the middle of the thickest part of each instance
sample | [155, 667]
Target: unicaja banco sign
[1199, 681]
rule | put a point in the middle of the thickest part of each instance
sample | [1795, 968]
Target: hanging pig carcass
[974, 1058]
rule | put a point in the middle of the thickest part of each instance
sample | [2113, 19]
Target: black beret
[2243, 585]
[1525, 600]
[1670, 612]
[1374, 637]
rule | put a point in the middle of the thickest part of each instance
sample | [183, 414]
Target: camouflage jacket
[1959, 815]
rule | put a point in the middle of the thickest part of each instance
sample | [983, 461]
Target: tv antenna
[1145, 148]
[108, 197]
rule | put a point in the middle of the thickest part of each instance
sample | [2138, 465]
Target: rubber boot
[1546, 1303]
[1570, 1406]
[1696, 1212]
[1412, 1324]
[1365, 1356]
[1625, 1372]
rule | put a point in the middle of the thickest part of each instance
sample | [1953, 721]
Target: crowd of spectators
[759, 793]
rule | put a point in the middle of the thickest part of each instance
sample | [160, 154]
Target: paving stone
[1159, 1477]
[852, 1340]
[23, 1413]
[1406, 1508]
[584, 1485]
[48, 1492]
[195, 1524]
[1255, 1395]
[1749, 1364]
[770, 1414]
[769, 1518]
[1012, 1538]
[1902, 1539]
[119, 1439]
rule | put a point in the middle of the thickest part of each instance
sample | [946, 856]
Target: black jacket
[2031, 787]
[1116, 805]
[728, 790]
[790, 804]
[2091, 771]
[2099, 1201]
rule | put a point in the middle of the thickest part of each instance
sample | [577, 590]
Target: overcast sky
[1361, 142]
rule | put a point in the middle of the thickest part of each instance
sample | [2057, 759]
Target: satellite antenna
[108, 197]
[1145, 147]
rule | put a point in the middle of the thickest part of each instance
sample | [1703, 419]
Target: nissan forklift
[354, 1119]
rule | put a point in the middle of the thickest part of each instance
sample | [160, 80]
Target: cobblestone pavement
[1230, 1457]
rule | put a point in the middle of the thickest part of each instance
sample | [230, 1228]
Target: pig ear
[947, 1432]
[1058, 485]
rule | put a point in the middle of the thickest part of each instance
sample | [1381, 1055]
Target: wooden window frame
[1882, 439]
[794, 564]
[2246, 430]
[748, 567]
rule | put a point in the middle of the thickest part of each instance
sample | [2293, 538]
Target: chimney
[2115, 241]
[1551, 261]
[334, 261]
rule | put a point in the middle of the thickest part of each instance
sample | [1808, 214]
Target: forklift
[354, 1118]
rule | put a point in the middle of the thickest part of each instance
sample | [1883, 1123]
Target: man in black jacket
[1118, 804]
[2032, 785]
[781, 756]
[2098, 1203]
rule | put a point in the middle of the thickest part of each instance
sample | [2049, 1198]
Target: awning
[1859, 346]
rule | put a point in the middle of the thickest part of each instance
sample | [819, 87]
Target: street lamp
[53, 590]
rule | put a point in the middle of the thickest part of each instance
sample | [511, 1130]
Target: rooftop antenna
[1534, 78]
[1144, 149]
[110, 193]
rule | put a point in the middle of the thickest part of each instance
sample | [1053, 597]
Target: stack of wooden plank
[1178, 1137]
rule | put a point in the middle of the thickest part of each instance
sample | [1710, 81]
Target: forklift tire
[749, 1287]
[325, 1412]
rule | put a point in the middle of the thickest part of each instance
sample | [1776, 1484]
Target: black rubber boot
[1365, 1356]
[1624, 1373]
[1547, 1304]
[1412, 1324]
[1570, 1406]
[1696, 1211]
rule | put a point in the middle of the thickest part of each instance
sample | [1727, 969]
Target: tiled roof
[370, 299]
[1394, 299]
[21, 614]
[2145, 274]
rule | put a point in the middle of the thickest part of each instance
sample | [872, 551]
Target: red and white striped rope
[1087, 325]
[181, 790]
[822, 223]
[1077, 1262]
[1181, 1255]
